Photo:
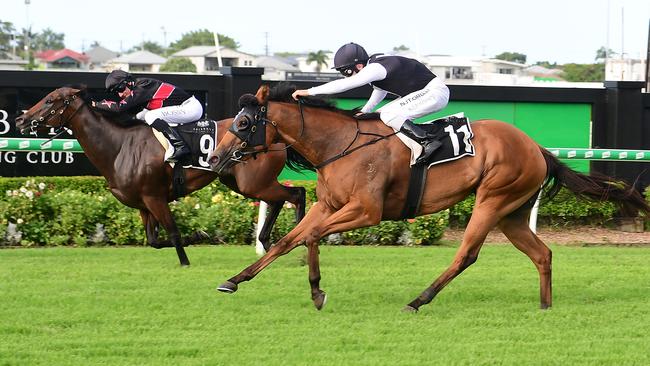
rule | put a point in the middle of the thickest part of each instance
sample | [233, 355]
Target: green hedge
[80, 211]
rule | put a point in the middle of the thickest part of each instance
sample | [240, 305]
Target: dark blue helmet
[349, 55]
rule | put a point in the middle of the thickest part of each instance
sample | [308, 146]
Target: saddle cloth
[455, 133]
[199, 136]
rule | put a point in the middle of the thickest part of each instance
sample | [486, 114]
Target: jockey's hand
[300, 93]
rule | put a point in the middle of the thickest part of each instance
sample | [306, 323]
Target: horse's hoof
[227, 287]
[202, 235]
[320, 300]
[409, 309]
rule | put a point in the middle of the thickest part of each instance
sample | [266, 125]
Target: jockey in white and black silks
[419, 91]
[156, 102]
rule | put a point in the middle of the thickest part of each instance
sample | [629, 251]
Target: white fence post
[261, 217]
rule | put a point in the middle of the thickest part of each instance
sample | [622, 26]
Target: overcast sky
[560, 31]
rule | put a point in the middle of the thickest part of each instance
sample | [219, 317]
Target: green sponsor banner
[601, 154]
[20, 144]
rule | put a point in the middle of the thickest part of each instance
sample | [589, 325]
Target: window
[459, 73]
[505, 71]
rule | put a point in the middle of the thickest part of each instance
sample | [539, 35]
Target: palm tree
[320, 58]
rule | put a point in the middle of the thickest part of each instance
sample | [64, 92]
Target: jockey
[156, 102]
[419, 91]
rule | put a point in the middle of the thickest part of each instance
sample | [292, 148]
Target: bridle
[254, 134]
[249, 134]
[43, 121]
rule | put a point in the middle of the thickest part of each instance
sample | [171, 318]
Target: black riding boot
[429, 142]
[180, 149]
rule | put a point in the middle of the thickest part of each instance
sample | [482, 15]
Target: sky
[562, 31]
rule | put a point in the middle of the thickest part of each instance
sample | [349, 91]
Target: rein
[356, 136]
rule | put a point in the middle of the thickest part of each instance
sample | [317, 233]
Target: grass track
[136, 306]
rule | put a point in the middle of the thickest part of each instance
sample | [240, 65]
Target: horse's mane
[282, 93]
[123, 119]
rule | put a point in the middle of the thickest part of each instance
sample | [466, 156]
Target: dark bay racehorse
[131, 160]
[370, 184]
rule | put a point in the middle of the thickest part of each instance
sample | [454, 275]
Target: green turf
[136, 306]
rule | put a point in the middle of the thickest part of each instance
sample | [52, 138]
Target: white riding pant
[432, 98]
[189, 111]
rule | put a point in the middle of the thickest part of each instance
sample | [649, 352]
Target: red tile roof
[54, 55]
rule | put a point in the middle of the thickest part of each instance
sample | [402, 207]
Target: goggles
[346, 70]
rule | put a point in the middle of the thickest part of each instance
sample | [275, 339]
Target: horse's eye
[49, 101]
[243, 123]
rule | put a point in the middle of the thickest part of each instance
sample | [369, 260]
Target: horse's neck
[100, 138]
[323, 136]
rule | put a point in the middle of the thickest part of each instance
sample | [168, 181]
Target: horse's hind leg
[271, 217]
[160, 210]
[515, 227]
[480, 224]
[298, 198]
[150, 229]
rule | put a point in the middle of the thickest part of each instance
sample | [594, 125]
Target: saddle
[455, 134]
[199, 136]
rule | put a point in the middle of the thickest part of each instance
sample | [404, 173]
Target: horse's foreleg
[516, 229]
[160, 210]
[265, 232]
[294, 238]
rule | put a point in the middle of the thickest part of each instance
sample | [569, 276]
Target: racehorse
[359, 187]
[131, 160]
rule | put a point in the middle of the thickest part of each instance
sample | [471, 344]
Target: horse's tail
[595, 187]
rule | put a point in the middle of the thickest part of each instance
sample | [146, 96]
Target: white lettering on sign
[8, 157]
[47, 157]
[4, 125]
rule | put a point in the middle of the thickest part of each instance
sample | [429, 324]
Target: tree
[547, 64]
[603, 53]
[47, 39]
[150, 46]
[6, 35]
[583, 72]
[178, 64]
[320, 58]
[512, 56]
[201, 37]
[400, 48]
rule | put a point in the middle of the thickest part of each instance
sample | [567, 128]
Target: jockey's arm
[377, 96]
[370, 73]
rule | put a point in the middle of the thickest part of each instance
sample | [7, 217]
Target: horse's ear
[262, 94]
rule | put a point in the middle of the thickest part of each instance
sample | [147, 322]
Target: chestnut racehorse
[368, 185]
[131, 160]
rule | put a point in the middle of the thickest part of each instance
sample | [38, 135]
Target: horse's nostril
[213, 160]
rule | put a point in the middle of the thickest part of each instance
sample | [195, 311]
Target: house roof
[275, 63]
[100, 54]
[55, 55]
[208, 51]
[140, 57]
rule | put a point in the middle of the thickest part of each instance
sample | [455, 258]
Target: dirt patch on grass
[583, 235]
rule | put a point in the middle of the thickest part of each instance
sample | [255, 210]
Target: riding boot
[180, 149]
[429, 142]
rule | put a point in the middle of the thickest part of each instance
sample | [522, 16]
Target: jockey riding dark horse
[156, 102]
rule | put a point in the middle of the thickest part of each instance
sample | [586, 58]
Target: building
[625, 69]
[11, 62]
[206, 58]
[61, 59]
[276, 68]
[138, 61]
[98, 57]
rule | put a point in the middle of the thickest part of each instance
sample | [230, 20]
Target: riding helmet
[349, 55]
[117, 79]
